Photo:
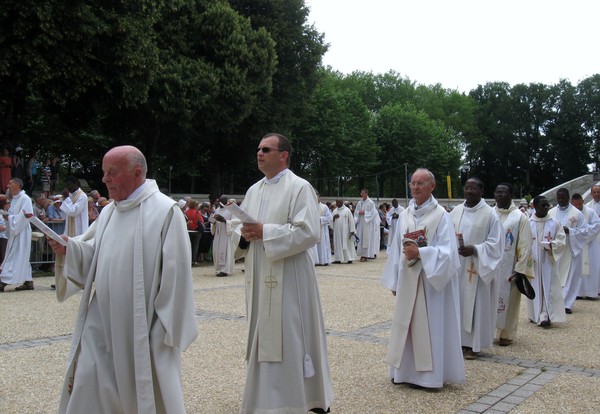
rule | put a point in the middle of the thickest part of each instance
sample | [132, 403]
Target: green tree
[60, 62]
[214, 68]
[335, 145]
[379, 90]
[408, 136]
[493, 155]
[588, 91]
[569, 146]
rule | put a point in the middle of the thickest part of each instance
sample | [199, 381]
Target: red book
[417, 236]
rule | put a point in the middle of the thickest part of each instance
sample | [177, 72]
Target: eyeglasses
[419, 184]
[266, 150]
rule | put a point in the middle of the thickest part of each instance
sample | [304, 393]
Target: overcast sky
[462, 43]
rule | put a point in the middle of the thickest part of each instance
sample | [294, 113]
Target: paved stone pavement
[544, 371]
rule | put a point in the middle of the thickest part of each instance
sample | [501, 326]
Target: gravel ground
[35, 329]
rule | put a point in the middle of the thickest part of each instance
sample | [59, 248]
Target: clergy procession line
[456, 280]
[555, 370]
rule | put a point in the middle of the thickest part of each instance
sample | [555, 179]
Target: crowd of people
[456, 277]
[70, 213]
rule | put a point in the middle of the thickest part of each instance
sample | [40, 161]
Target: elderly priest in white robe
[137, 312]
[288, 367]
[421, 271]
[481, 247]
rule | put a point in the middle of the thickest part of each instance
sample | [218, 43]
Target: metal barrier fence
[42, 255]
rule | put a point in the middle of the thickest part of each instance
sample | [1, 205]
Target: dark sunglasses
[266, 150]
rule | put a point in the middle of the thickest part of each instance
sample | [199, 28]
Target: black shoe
[221, 274]
[568, 311]
[319, 411]
[53, 287]
[545, 324]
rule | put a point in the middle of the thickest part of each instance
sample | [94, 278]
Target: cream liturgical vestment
[16, 268]
[324, 244]
[392, 222]
[517, 258]
[344, 250]
[480, 228]
[424, 347]
[75, 208]
[571, 262]
[137, 312]
[288, 367]
[222, 248]
[367, 228]
[549, 244]
[591, 254]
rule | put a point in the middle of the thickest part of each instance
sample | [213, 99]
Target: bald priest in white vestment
[288, 367]
[480, 258]
[137, 312]
[424, 347]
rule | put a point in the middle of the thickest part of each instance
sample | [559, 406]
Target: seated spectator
[92, 210]
[39, 208]
[102, 202]
[55, 215]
